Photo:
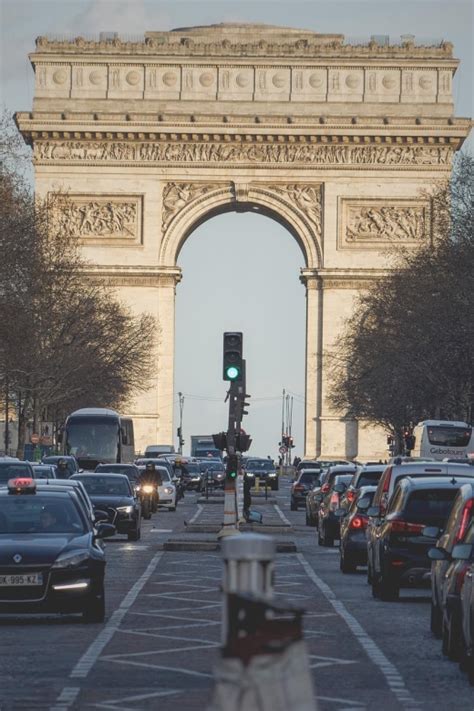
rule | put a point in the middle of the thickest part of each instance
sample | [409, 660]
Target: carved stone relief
[372, 223]
[103, 218]
[238, 152]
[306, 198]
[177, 195]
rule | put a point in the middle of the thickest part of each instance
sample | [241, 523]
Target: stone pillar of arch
[338, 143]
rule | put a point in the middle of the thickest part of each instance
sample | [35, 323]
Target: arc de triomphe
[334, 141]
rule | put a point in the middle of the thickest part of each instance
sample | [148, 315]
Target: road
[162, 635]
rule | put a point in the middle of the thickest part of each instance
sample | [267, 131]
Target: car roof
[431, 482]
[40, 489]
[80, 475]
[342, 468]
[372, 467]
[116, 465]
[434, 467]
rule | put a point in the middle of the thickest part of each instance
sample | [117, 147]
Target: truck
[203, 446]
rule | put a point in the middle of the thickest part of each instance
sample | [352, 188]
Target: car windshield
[309, 478]
[212, 466]
[107, 485]
[430, 506]
[10, 470]
[449, 436]
[192, 468]
[260, 465]
[39, 514]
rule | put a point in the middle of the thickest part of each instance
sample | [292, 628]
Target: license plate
[12, 581]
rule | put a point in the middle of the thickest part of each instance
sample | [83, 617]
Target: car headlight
[273, 474]
[148, 489]
[70, 559]
[125, 509]
[168, 489]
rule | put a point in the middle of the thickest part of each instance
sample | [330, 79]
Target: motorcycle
[180, 487]
[147, 494]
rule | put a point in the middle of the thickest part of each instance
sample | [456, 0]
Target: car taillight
[405, 527]
[460, 577]
[299, 487]
[334, 501]
[325, 488]
[350, 495]
[465, 520]
[386, 482]
[358, 522]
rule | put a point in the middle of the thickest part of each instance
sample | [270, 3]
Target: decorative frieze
[251, 151]
[306, 198]
[177, 195]
[103, 219]
[372, 223]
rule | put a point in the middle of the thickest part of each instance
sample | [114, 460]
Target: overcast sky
[260, 293]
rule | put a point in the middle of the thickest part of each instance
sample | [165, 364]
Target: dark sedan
[113, 494]
[51, 556]
[12, 468]
[307, 480]
[353, 548]
[328, 522]
[265, 470]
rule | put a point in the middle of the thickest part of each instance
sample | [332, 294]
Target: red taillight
[334, 501]
[386, 481]
[465, 520]
[299, 487]
[358, 522]
[460, 577]
[325, 488]
[350, 495]
[405, 527]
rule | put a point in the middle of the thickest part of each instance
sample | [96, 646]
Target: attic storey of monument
[336, 141]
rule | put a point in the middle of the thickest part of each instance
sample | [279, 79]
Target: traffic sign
[35, 438]
[283, 450]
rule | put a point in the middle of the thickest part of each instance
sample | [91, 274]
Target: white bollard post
[248, 568]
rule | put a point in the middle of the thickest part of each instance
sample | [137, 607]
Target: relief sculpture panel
[102, 219]
[367, 224]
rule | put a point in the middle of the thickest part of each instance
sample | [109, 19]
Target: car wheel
[451, 640]
[134, 535]
[275, 487]
[369, 574]
[328, 541]
[389, 589]
[146, 512]
[320, 540]
[346, 566]
[293, 506]
[308, 520]
[470, 669]
[95, 610]
[375, 586]
[435, 620]
[171, 508]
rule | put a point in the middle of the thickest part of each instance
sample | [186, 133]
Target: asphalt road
[161, 639]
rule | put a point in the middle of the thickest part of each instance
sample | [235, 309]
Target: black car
[328, 522]
[113, 494]
[13, 468]
[307, 480]
[265, 470]
[71, 463]
[130, 470]
[51, 556]
[366, 475]
[313, 500]
[400, 550]
[353, 547]
[213, 472]
[44, 471]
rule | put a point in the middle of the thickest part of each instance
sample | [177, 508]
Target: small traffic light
[220, 441]
[233, 366]
[290, 443]
[232, 467]
[242, 441]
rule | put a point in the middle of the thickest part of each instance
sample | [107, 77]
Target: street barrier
[264, 664]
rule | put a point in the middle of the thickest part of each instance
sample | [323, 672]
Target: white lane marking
[281, 514]
[197, 514]
[66, 698]
[392, 676]
[112, 704]
[90, 657]
[178, 670]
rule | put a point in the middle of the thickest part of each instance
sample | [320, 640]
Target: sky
[240, 271]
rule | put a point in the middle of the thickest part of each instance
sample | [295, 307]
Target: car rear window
[309, 477]
[10, 470]
[429, 505]
[369, 478]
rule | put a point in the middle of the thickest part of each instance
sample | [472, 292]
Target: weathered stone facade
[337, 142]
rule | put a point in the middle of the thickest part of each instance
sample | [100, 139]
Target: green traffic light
[232, 372]
[232, 475]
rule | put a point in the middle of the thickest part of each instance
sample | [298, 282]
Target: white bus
[96, 435]
[441, 439]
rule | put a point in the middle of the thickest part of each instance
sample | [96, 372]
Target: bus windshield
[449, 436]
[94, 438]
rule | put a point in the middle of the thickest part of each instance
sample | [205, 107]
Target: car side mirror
[374, 511]
[431, 531]
[438, 554]
[100, 515]
[340, 513]
[339, 488]
[105, 530]
[462, 551]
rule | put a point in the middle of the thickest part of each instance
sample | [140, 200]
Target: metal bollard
[248, 568]
[257, 484]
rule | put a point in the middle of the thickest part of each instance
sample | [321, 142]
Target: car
[353, 524]
[445, 601]
[44, 471]
[12, 468]
[366, 475]
[167, 490]
[114, 494]
[192, 476]
[392, 475]
[156, 450]
[212, 472]
[328, 522]
[402, 540]
[300, 488]
[130, 470]
[313, 499]
[71, 462]
[265, 470]
[95, 515]
[465, 552]
[51, 555]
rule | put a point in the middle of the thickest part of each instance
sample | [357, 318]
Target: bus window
[449, 436]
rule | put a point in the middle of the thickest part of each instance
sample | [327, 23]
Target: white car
[167, 494]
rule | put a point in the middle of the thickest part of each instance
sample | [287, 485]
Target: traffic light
[242, 441]
[290, 443]
[232, 467]
[409, 441]
[233, 366]
[220, 440]
[179, 434]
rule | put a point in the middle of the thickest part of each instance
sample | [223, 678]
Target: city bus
[96, 435]
[442, 439]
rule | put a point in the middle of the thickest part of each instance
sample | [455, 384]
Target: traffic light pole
[229, 527]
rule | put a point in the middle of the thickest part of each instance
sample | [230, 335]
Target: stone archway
[335, 141]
